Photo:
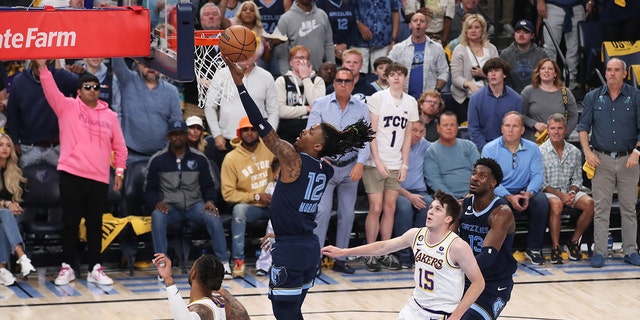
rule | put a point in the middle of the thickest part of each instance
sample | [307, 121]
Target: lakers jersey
[216, 307]
[439, 282]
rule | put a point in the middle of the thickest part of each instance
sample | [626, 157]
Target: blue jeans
[243, 213]
[407, 217]
[9, 234]
[160, 221]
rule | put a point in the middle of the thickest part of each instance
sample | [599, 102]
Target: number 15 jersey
[439, 282]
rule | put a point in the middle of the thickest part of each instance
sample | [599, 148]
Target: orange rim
[206, 37]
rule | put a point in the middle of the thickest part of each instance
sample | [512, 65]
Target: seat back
[589, 45]
[42, 212]
[133, 186]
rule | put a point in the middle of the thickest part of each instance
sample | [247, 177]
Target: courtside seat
[42, 217]
[133, 189]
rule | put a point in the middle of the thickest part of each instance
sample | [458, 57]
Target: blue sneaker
[597, 261]
[633, 259]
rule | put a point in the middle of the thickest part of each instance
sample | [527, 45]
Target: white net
[207, 61]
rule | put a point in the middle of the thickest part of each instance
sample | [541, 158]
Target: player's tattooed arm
[289, 157]
[233, 308]
[203, 311]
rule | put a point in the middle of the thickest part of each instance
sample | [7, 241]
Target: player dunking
[487, 224]
[442, 261]
[303, 178]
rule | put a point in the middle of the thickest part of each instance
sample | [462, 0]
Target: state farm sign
[72, 33]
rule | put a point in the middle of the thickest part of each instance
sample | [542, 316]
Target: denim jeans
[407, 217]
[243, 213]
[9, 234]
[160, 221]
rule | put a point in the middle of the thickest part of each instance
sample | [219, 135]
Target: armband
[487, 257]
[254, 114]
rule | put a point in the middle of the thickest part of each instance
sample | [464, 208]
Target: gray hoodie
[310, 29]
[522, 64]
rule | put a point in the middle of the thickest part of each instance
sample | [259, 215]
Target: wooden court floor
[570, 291]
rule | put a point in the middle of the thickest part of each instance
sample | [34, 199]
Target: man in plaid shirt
[562, 182]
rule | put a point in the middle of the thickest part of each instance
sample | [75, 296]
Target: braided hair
[210, 272]
[338, 143]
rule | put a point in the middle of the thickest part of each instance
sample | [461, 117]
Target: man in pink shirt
[89, 133]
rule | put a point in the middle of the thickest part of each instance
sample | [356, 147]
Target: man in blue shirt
[611, 114]
[340, 109]
[521, 163]
[450, 159]
[488, 105]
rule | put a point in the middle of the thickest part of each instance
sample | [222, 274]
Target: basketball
[238, 43]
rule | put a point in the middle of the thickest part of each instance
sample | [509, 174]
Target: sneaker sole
[100, 283]
[572, 258]
[63, 283]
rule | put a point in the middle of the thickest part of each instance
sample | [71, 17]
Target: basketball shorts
[491, 301]
[294, 266]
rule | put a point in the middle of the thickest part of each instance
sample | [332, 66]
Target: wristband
[404, 166]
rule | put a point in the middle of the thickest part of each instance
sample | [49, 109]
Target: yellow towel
[622, 3]
[589, 169]
[541, 137]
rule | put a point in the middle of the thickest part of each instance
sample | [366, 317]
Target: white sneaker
[6, 278]
[227, 271]
[25, 265]
[65, 275]
[98, 276]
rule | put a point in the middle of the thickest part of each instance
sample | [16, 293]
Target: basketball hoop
[206, 65]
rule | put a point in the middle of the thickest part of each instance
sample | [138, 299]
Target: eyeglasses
[343, 81]
[88, 87]
[252, 129]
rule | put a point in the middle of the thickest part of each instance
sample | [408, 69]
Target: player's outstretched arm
[377, 248]
[463, 256]
[290, 160]
[501, 223]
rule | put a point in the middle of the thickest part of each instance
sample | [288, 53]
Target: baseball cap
[193, 120]
[525, 24]
[177, 125]
[244, 123]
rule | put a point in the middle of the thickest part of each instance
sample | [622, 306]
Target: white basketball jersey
[439, 283]
[216, 307]
[393, 116]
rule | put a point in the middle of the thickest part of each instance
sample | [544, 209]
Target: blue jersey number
[315, 187]
[476, 242]
[343, 24]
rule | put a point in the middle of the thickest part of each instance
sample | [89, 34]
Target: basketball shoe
[6, 278]
[65, 275]
[98, 276]
[390, 262]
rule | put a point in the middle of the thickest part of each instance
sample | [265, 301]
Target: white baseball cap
[193, 120]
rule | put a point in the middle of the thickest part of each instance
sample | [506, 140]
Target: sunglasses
[88, 87]
[343, 81]
[248, 129]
